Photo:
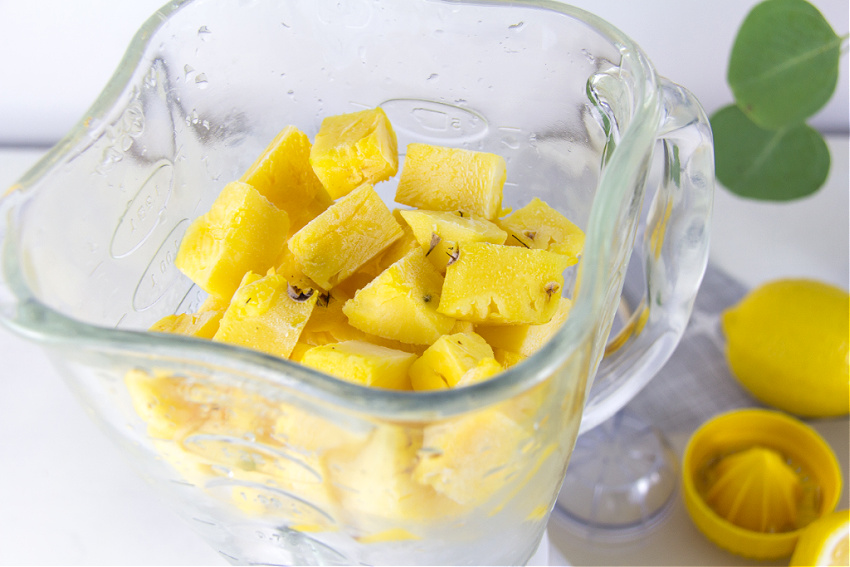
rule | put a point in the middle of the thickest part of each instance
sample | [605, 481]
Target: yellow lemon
[825, 541]
[787, 343]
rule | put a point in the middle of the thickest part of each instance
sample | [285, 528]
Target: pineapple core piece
[440, 233]
[452, 179]
[537, 225]
[363, 363]
[241, 232]
[336, 243]
[525, 339]
[266, 314]
[283, 175]
[352, 149]
[503, 285]
[401, 303]
[444, 363]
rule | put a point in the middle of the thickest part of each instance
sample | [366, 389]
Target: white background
[56, 55]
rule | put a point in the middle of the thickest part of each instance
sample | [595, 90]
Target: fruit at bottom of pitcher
[787, 344]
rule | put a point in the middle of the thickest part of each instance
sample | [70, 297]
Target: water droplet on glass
[517, 26]
[433, 77]
[203, 32]
[187, 69]
[201, 81]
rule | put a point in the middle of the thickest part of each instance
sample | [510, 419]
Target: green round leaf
[784, 63]
[771, 165]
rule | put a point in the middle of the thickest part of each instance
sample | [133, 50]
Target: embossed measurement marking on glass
[144, 211]
[161, 273]
[435, 120]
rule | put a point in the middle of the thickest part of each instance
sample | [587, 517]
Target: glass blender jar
[273, 462]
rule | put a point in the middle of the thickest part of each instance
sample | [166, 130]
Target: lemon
[826, 541]
[787, 344]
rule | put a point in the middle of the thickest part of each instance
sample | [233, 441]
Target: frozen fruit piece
[266, 314]
[355, 148]
[525, 339]
[496, 284]
[401, 303]
[284, 176]
[203, 324]
[484, 370]
[363, 363]
[470, 458]
[450, 357]
[440, 233]
[162, 402]
[241, 232]
[452, 179]
[336, 243]
[537, 225]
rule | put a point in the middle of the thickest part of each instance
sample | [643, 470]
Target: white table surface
[67, 497]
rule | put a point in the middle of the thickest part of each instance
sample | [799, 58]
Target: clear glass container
[276, 463]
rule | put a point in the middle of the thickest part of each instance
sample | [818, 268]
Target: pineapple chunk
[336, 243]
[508, 358]
[241, 232]
[470, 458]
[484, 370]
[401, 303]
[266, 314]
[444, 363]
[284, 176]
[496, 284]
[452, 179]
[203, 324]
[537, 225]
[440, 233]
[525, 339]
[374, 483]
[353, 149]
[363, 363]
[161, 401]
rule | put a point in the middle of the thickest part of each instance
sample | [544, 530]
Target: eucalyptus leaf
[784, 63]
[776, 165]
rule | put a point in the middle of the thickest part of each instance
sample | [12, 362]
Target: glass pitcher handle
[675, 254]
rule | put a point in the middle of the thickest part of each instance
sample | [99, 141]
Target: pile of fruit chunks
[302, 259]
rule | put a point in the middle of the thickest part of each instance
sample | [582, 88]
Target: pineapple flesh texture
[202, 325]
[352, 149]
[401, 303]
[444, 363]
[284, 176]
[362, 363]
[538, 225]
[241, 232]
[266, 314]
[503, 285]
[440, 233]
[525, 339]
[438, 178]
[471, 458]
[350, 232]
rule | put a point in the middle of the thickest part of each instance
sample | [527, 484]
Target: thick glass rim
[44, 325]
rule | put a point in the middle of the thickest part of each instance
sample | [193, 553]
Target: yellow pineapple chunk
[452, 179]
[499, 285]
[440, 233]
[266, 314]
[363, 363]
[444, 363]
[352, 149]
[470, 458]
[203, 324]
[336, 243]
[284, 176]
[507, 358]
[161, 401]
[537, 225]
[401, 303]
[374, 482]
[525, 339]
[241, 232]
[484, 370]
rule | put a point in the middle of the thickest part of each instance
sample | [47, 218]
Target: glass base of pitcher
[620, 482]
